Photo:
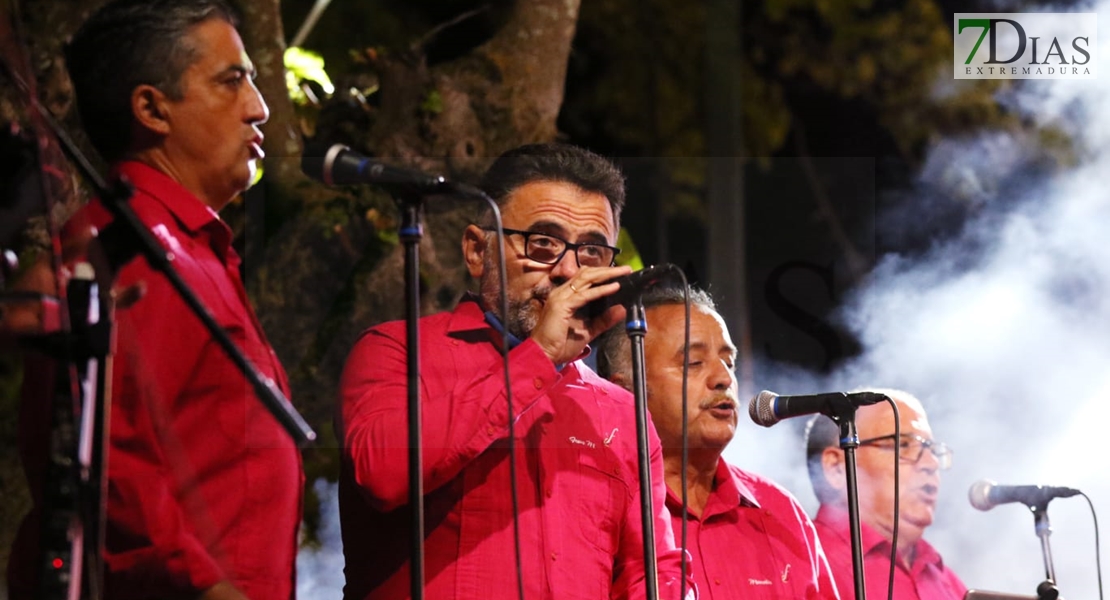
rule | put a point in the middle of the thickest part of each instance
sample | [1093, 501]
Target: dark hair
[129, 43]
[613, 346]
[554, 162]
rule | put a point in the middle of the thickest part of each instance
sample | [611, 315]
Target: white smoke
[1004, 334]
[320, 568]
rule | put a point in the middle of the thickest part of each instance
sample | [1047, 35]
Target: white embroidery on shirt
[786, 573]
[168, 240]
[612, 434]
[586, 443]
[759, 581]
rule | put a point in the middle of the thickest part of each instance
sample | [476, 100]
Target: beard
[523, 312]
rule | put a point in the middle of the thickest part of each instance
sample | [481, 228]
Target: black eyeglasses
[912, 447]
[549, 250]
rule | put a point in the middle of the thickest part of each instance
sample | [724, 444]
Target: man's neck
[701, 471]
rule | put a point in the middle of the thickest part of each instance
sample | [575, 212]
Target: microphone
[631, 286]
[342, 166]
[986, 494]
[768, 408]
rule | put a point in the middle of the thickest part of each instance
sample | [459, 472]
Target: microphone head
[979, 494]
[319, 163]
[762, 408]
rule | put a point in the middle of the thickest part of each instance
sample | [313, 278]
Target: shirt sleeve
[153, 545]
[629, 574]
[462, 413]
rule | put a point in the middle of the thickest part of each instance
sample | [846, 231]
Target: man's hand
[562, 329]
[222, 591]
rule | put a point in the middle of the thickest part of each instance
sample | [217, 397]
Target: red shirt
[753, 541]
[204, 485]
[927, 579]
[577, 479]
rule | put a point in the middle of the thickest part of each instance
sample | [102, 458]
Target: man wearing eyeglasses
[919, 572]
[576, 475]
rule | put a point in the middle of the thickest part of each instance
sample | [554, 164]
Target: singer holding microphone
[920, 573]
[575, 446]
[748, 536]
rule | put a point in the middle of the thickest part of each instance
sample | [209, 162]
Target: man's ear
[150, 108]
[474, 248]
[832, 463]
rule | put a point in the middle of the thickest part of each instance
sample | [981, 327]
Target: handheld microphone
[342, 166]
[986, 494]
[768, 408]
[631, 286]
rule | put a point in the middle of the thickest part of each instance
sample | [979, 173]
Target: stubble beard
[523, 312]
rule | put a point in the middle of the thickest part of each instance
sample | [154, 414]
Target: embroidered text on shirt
[759, 581]
[612, 434]
[586, 443]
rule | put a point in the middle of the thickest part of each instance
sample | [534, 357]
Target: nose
[565, 268]
[928, 461]
[256, 111]
[721, 377]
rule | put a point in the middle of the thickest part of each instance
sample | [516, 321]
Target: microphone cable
[897, 495]
[503, 299]
[1098, 553]
[685, 429]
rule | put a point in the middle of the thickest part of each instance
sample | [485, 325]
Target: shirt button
[552, 556]
[548, 492]
[454, 342]
[538, 383]
[491, 430]
[717, 581]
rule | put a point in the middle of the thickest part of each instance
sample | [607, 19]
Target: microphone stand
[79, 467]
[1046, 590]
[636, 327]
[410, 233]
[843, 411]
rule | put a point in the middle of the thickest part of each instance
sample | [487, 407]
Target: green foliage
[303, 66]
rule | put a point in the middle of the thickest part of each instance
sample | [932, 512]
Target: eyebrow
[553, 228]
[703, 346]
[248, 70]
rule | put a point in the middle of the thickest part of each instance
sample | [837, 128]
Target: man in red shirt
[204, 486]
[919, 572]
[749, 537]
[575, 436]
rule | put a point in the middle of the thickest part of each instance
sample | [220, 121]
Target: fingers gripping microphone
[986, 494]
[341, 166]
[768, 408]
[631, 286]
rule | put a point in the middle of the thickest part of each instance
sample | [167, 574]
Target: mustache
[717, 400]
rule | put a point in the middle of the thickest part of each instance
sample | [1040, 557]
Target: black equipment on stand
[629, 294]
[341, 166]
[768, 408]
[985, 495]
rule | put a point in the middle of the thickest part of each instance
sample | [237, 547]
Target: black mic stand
[410, 233]
[843, 411]
[409, 201]
[1046, 590]
[119, 242]
[636, 327]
